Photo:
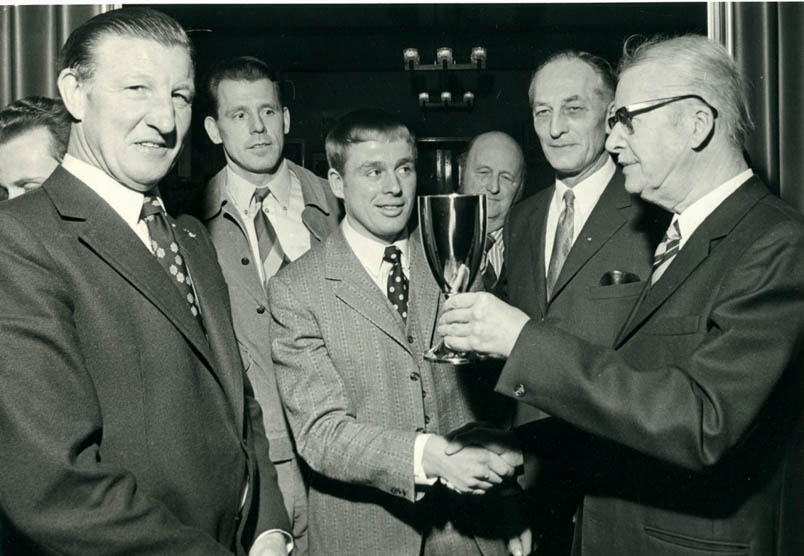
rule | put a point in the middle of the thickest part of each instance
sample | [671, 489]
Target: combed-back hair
[361, 126]
[702, 67]
[136, 22]
[26, 114]
[238, 68]
[600, 66]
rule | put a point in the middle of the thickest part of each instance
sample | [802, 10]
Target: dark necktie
[166, 250]
[489, 274]
[666, 251]
[397, 287]
[563, 241]
[271, 253]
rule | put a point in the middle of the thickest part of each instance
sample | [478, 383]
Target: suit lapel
[201, 266]
[355, 288]
[716, 226]
[102, 231]
[538, 225]
[424, 292]
[605, 219]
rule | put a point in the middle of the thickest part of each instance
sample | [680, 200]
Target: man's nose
[614, 142]
[558, 124]
[493, 185]
[391, 184]
[162, 115]
[257, 125]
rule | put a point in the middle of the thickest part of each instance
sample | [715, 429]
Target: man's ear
[286, 119]
[335, 182]
[73, 93]
[211, 126]
[703, 127]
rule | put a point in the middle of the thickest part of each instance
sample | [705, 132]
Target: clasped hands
[472, 459]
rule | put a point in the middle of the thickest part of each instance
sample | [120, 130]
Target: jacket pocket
[616, 290]
[674, 326]
[694, 543]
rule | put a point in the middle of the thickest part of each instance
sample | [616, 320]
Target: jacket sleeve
[55, 487]
[328, 435]
[694, 411]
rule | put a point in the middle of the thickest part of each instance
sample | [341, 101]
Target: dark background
[336, 58]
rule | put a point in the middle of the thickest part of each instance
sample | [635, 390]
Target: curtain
[30, 40]
[768, 45]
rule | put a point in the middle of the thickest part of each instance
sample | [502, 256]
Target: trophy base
[442, 354]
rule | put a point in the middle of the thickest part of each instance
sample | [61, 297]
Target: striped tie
[666, 251]
[563, 241]
[271, 253]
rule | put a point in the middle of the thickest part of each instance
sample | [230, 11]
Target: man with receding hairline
[127, 423]
[687, 436]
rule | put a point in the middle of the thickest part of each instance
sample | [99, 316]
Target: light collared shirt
[587, 193]
[694, 215]
[370, 253]
[283, 206]
[124, 201]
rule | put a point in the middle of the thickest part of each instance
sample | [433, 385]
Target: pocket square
[613, 277]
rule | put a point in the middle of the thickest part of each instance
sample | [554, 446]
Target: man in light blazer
[248, 118]
[352, 319]
[127, 423]
[687, 434]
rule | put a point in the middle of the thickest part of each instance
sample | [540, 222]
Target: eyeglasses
[624, 114]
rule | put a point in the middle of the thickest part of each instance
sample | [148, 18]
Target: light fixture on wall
[444, 65]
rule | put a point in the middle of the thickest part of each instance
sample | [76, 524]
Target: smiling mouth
[151, 145]
[391, 210]
[260, 146]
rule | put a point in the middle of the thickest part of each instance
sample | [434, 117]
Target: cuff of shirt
[288, 538]
[419, 476]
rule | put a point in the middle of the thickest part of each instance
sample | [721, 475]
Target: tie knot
[260, 193]
[673, 232]
[392, 254]
[150, 206]
[569, 198]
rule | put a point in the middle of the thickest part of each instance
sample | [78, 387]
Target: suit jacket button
[244, 261]
[260, 309]
[410, 339]
[519, 390]
[426, 419]
[419, 429]
[414, 377]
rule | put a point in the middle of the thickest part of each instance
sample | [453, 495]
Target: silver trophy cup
[453, 229]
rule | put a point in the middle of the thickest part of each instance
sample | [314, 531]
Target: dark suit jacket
[124, 429]
[249, 299]
[688, 433]
[357, 391]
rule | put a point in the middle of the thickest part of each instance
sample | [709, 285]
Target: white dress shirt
[694, 215]
[283, 206]
[370, 253]
[587, 192]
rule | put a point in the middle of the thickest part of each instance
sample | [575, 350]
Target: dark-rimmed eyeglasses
[625, 114]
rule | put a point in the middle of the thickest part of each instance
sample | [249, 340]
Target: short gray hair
[599, 65]
[708, 70]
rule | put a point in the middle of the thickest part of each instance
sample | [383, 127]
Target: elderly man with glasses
[686, 435]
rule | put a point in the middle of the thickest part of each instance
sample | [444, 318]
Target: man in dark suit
[687, 434]
[579, 265]
[352, 319]
[261, 211]
[494, 166]
[127, 423]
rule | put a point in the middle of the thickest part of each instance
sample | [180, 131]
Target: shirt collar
[697, 212]
[124, 201]
[370, 252]
[588, 190]
[241, 190]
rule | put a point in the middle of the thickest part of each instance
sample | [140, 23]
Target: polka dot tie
[397, 282]
[166, 250]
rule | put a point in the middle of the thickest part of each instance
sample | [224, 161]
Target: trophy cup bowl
[453, 231]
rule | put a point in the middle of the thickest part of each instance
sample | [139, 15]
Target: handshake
[473, 458]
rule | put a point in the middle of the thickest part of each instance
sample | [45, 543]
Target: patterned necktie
[397, 287]
[166, 250]
[666, 251]
[271, 253]
[489, 274]
[563, 241]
